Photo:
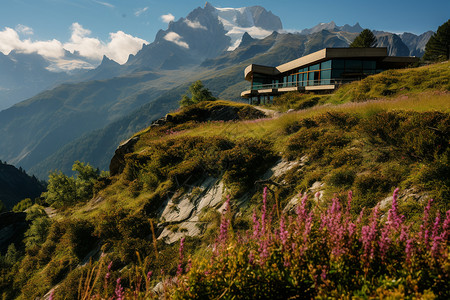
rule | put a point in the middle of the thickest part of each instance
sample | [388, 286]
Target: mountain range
[86, 117]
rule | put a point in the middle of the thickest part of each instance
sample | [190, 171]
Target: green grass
[390, 84]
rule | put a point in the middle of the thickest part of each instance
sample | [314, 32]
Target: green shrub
[22, 205]
[370, 188]
[341, 177]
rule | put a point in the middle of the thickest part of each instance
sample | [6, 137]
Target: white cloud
[84, 45]
[122, 45]
[118, 48]
[194, 24]
[167, 18]
[24, 29]
[104, 4]
[176, 38]
[10, 40]
[141, 11]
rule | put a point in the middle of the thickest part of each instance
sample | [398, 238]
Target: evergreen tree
[366, 39]
[198, 92]
[438, 46]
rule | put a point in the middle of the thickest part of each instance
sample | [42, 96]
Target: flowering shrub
[325, 254]
[312, 253]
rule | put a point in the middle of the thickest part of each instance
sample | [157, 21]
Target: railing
[306, 83]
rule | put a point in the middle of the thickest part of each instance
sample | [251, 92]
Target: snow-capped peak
[255, 20]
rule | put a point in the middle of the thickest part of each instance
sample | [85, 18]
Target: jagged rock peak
[107, 61]
[331, 26]
[246, 39]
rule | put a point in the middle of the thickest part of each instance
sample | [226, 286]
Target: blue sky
[66, 22]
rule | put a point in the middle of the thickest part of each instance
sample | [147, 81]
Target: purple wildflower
[409, 249]
[445, 226]
[108, 274]
[435, 238]
[189, 265]
[283, 232]
[180, 264]
[394, 219]
[423, 234]
[368, 235]
[251, 257]
[119, 290]
[323, 275]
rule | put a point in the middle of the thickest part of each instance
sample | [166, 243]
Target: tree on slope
[438, 46]
[199, 94]
[366, 39]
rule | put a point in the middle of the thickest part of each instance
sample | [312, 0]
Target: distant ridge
[16, 185]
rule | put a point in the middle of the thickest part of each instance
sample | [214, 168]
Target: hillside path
[269, 112]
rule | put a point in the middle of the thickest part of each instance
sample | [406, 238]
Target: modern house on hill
[324, 70]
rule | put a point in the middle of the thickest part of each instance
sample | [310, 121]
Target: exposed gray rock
[184, 211]
[118, 161]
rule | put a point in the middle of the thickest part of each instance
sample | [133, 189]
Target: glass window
[369, 65]
[312, 78]
[326, 65]
[336, 73]
[300, 79]
[325, 77]
[314, 67]
[351, 64]
[338, 63]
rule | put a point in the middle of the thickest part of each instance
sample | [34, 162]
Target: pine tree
[366, 39]
[438, 46]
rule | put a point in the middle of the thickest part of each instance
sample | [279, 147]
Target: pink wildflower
[251, 257]
[119, 290]
[283, 232]
[180, 264]
[368, 235]
[445, 226]
[349, 202]
[423, 234]
[409, 249]
[435, 238]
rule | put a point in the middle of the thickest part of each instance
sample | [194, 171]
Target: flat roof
[326, 54]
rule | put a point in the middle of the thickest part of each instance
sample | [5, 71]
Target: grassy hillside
[173, 180]
[390, 84]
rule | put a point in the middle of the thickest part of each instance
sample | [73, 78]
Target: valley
[154, 179]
